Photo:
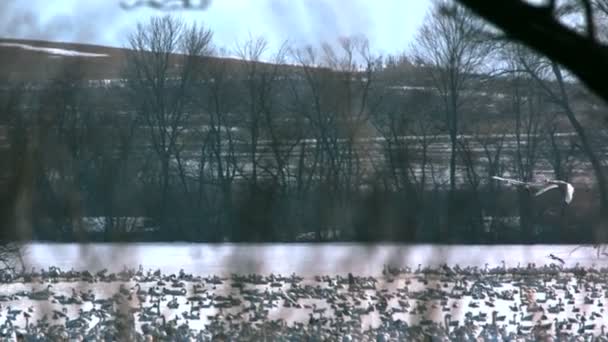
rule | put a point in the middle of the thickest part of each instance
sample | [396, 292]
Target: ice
[302, 258]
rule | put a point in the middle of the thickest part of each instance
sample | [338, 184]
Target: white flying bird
[567, 188]
[512, 181]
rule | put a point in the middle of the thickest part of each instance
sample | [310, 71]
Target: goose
[526, 318]
[558, 259]
[27, 320]
[173, 304]
[316, 310]
[196, 315]
[155, 292]
[42, 294]
[497, 318]
[76, 323]
[102, 274]
[88, 296]
[12, 312]
[448, 322]
[181, 292]
[139, 292]
[199, 288]
[584, 327]
[60, 314]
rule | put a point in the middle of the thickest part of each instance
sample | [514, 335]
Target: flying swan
[567, 188]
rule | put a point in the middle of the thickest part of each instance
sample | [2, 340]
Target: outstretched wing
[545, 189]
[569, 193]
[511, 181]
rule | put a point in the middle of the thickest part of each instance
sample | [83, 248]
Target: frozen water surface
[303, 259]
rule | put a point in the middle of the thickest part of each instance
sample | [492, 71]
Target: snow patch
[55, 51]
[410, 88]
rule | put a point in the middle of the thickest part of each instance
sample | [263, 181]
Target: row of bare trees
[332, 141]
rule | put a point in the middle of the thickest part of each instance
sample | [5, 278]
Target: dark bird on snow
[553, 257]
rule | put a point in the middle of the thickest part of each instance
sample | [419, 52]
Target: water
[303, 259]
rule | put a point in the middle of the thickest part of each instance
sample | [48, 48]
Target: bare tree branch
[539, 29]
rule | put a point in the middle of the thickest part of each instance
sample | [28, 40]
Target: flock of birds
[444, 304]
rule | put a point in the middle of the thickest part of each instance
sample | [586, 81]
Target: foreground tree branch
[538, 28]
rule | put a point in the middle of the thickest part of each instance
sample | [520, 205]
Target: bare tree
[472, 177]
[65, 134]
[282, 129]
[407, 130]
[219, 160]
[481, 154]
[549, 77]
[354, 66]
[115, 164]
[162, 66]
[332, 93]
[448, 47]
[16, 212]
[273, 134]
[309, 93]
[540, 28]
[77, 137]
[526, 103]
[493, 152]
[14, 172]
[256, 87]
[11, 261]
[562, 157]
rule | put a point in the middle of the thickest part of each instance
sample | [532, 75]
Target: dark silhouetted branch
[539, 29]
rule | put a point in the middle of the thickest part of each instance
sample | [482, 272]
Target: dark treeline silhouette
[303, 144]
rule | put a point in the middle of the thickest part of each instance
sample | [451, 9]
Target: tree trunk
[453, 127]
[164, 193]
[526, 222]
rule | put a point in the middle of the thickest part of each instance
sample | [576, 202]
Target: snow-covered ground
[303, 259]
[522, 302]
[54, 51]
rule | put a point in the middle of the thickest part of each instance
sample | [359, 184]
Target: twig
[589, 18]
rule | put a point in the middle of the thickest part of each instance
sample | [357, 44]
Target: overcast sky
[389, 25]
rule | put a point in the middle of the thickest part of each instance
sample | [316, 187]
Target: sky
[389, 25]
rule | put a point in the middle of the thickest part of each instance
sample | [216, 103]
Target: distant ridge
[26, 64]
[64, 45]
[29, 64]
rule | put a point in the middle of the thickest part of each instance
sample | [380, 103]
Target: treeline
[330, 144]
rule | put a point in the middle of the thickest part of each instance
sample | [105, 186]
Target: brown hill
[32, 60]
